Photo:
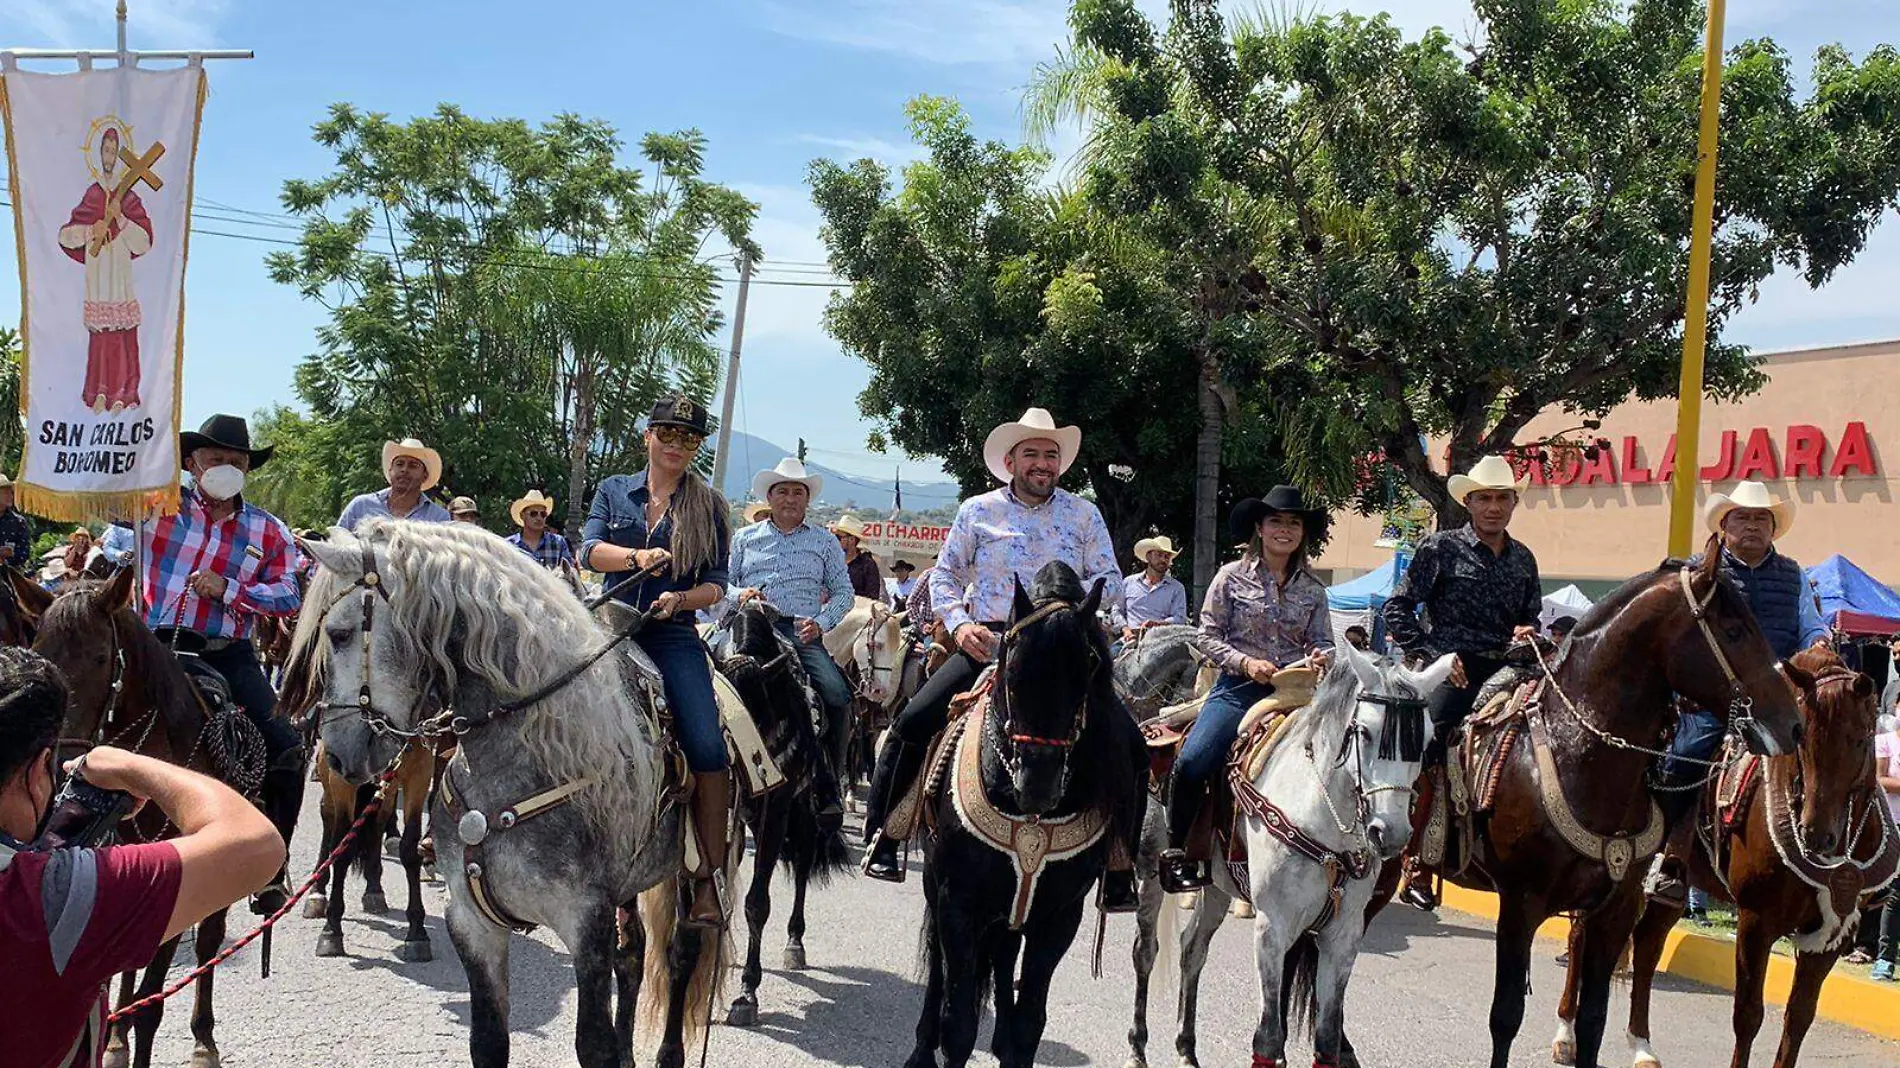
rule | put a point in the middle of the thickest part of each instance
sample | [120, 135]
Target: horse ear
[335, 556]
[115, 594]
[1022, 605]
[1863, 686]
[1428, 681]
[1094, 600]
[902, 619]
[1362, 666]
[1803, 680]
[34, 598]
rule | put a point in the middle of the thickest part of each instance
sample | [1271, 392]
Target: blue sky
[773, 83]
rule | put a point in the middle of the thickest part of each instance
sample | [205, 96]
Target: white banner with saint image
[100, 168]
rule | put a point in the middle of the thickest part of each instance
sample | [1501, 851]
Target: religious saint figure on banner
[107, 231]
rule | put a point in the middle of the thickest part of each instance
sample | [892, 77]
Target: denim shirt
[618, 516]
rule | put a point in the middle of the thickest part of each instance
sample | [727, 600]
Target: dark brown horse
[1676, 630]
[129, 691]
[1805, 842]
[22, 603]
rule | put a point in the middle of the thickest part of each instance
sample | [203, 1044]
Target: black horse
[1037, 784]
[784, 823]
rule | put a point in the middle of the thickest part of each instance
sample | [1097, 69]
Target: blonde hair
[699, 522]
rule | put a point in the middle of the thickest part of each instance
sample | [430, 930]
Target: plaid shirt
[252, 551]
[551, 553]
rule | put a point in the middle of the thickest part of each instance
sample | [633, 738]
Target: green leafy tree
[1420, 240]
[977, 292]
[508, 293]
[12, 430]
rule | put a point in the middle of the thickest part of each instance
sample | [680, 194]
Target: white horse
[872, 647]
[554, 811]
[1329, 805]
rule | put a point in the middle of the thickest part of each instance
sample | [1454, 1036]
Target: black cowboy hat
[224, 432]
[903, 565]
[1246, 516]
[681, 412]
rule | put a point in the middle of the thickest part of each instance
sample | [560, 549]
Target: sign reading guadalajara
[1802, 451]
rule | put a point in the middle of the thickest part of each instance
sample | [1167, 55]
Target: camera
[83, 815]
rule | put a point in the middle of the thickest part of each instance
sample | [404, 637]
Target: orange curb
[1846, 999]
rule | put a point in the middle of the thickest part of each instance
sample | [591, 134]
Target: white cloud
[787, 229]
[1013, 32]
[155, 24]
[889, 153]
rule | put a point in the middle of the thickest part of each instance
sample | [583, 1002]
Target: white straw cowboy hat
[1747, 495]
[1035, 423]
[1490, 473]
[1148, 545]
[848, 524]
[534, 498]
[790, 469]
[756, 511]
[431, 459]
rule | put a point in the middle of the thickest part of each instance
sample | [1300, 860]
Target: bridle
[1009, 738]
[865, 656]
[1354, 739]
[765, 668]
[115, 691]
[1741, 706]
[450, 721]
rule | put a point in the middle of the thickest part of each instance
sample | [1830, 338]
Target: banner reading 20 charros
[100, 165]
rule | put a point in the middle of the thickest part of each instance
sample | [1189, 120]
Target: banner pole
[1695, 320]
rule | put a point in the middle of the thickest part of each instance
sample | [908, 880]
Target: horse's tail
[811, 842]
[660, 917]
[1300, 977]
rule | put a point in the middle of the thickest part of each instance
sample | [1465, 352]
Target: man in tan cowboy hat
[548, 549]
[412, 469]
[1747, 521]
[1471, 591]
[1151, 596]
[465, 510]
[866, 579]
[998, 540]
[16, 530]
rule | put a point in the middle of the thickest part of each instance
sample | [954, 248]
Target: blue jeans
[687, 676]
[833, 692]
[1698, 733]
[1212, 735]
[238, 664]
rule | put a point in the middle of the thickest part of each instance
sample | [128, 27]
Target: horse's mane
[1330, 713]
[477, 609]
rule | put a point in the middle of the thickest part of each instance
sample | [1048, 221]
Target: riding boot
[282, 801]
[1420, 877]
[826, 800]
[898, 763]
[1180, 874]
[712, 798]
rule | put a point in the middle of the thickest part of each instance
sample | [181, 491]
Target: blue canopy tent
[1852, 601]
[1358, 602]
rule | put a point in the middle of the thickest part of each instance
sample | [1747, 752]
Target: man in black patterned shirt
[1470, 591]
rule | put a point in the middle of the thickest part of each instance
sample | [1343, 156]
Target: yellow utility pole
[1695, 320]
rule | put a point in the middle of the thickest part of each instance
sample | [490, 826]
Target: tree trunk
[581, 437]
[1207, 473]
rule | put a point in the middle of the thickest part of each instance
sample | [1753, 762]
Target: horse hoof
[795, 958]
[415, 952]
[744, 1013]
[1135, 1061]
[315, 906]
[205, 1058]
[330, 944]
[1563, 1052]
[429, 875]
[1240, 910]
[116, 1057]
[1641, 1055]
[375, 902]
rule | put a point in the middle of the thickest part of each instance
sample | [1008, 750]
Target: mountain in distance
[871, 497]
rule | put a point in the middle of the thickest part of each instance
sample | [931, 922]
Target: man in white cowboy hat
[1470, 591]
[1151, 597]
[1747, 521]
[997, 540]
[548, 549]
[412, 469]
[799, 568]
[16, 530]
[866, 579]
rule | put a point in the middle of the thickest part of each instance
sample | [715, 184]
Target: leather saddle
[1465, 789]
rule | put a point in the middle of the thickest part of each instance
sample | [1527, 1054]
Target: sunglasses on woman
[679, 436]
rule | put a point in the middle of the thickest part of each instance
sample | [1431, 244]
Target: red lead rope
[384, 781]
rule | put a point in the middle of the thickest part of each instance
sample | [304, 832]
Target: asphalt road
[1419, 998]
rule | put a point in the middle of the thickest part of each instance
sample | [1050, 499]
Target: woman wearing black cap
[1263, 612]
[668, 518]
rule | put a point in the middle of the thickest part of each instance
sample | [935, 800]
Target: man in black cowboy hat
[214, 568]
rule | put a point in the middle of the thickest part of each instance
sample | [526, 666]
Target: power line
[493, 259]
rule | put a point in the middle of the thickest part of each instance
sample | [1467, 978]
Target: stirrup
[1417, 891]
[711, 884]
[271, 897]
[890, 868]
[1116, 893]
[1179, 875]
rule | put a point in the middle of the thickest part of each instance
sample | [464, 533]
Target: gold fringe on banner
[129, 505]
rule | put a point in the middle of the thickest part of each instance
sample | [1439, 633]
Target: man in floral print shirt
[998, 538]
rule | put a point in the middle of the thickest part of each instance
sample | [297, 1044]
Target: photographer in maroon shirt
[71, 918]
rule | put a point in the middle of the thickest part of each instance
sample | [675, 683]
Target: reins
[1006, 721]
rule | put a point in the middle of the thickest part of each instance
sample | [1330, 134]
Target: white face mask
[221, 483]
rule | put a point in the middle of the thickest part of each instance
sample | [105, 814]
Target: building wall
[1818, 426]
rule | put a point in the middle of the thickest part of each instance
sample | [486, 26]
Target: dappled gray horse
[1157, 669]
